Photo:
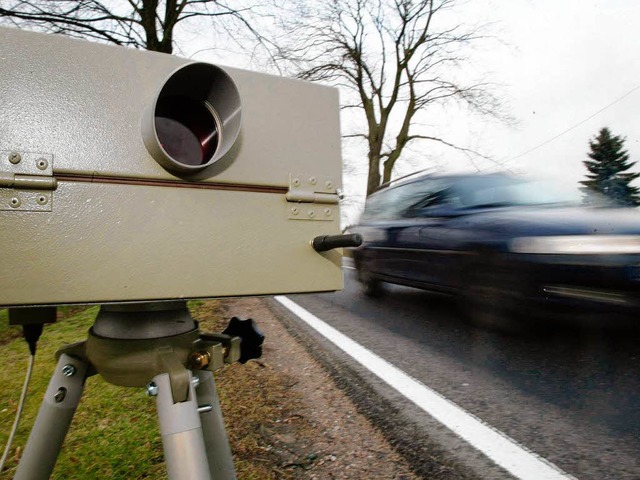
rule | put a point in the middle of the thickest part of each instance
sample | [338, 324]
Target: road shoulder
[322, 434]
[426, 458]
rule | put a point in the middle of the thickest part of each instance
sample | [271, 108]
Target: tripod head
[129, 344]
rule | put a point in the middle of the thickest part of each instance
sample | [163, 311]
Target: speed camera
[128, 175]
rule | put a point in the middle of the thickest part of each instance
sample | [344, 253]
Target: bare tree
[146, 24]
[396, 60]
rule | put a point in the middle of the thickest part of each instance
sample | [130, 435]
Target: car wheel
[489, 309]
[371, 286]
[491, 301]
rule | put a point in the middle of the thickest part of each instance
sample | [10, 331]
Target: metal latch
[312, 198]
[26, 181]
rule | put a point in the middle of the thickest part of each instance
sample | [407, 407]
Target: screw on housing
[69, 370]
[15, 158]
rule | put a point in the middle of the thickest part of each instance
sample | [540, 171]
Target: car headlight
[577, 244]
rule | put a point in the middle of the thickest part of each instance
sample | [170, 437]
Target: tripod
[157, 346]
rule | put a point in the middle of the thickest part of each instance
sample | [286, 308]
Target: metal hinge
[312, 198]
[26, 181]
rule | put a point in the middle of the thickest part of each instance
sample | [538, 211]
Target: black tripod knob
[251, 338]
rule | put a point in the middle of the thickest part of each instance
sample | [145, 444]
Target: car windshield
[498, 191]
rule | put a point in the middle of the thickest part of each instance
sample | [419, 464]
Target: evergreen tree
[608, 162]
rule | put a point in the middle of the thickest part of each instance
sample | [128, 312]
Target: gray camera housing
[96, 207]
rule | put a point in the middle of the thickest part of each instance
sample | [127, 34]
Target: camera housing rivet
[69, 370]
[327, 212]
[296, 182]
[42, 164]
[329, 185]
[295, 211]
[15, 202]
[313, 180]
[42, 200]
[15, 158]
[312, 214]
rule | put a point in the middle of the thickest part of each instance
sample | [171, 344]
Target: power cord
[31, 333]
[16, 422]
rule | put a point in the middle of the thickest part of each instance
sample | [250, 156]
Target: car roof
[435, 176]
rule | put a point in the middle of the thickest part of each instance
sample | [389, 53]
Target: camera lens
[194, 119]
[187, 129]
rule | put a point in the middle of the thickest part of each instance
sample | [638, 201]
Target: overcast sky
[565, 61]
[561, 62]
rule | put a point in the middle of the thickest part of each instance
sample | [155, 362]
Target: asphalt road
[570, 395]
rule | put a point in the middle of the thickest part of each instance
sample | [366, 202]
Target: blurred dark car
[507, 246]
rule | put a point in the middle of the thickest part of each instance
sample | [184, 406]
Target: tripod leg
[215, 435]
[52, 423]
[184, 449]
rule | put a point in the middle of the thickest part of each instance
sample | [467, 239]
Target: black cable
[32, 332]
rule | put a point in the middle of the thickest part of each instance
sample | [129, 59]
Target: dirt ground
[320, 434]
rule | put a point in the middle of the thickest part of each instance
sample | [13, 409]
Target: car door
[388, 224]
[379, 227]
[429, 245]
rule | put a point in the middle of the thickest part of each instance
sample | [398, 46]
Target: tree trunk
[373, 182]
[387, 169]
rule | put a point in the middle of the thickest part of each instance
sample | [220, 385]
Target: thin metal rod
[54, 417]
[236, 187]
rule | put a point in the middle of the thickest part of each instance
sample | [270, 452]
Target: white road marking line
[504, 451]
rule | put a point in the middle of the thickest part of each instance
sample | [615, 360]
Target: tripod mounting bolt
[69, 370]
[152, 389]
[199, 360]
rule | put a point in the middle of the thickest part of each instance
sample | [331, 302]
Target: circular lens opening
[186, 129]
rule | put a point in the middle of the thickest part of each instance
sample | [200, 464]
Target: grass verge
[7, 332]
